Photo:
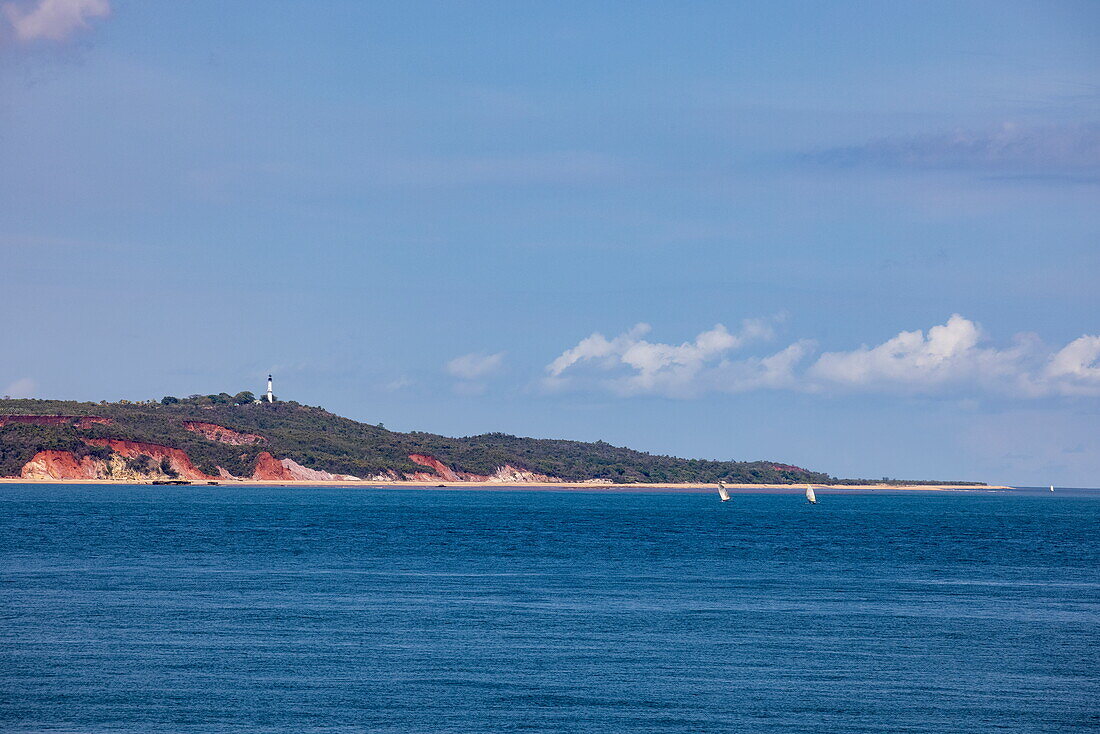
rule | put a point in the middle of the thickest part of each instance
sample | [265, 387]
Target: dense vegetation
[18, 443]
[320, 440]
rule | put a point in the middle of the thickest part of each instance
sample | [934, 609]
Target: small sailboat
[810, 496]
[723, 492]
[1052, 488]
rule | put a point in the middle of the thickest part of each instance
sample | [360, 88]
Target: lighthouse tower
[270, 394]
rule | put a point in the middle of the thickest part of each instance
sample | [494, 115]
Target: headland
[239, 440]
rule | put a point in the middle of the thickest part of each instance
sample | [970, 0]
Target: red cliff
[178, 460]
[64, 465]
[788, 467]
[442, 470]
[59, 465]
[270, 468]
[77, 421]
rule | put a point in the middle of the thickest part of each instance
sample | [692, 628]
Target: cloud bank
[950, 359]
[948, 353]
[682, 370]
[1009, 149]
[54, 20]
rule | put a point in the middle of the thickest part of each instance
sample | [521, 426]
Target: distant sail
[725, 495]
[1052, 488]
[810, 495]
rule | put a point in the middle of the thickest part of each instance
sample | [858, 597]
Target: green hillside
[320, 440]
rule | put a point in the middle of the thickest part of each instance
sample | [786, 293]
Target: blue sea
[230, 609]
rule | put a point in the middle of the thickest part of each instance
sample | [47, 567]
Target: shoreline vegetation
[237, 439]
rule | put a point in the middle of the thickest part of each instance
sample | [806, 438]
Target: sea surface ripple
[218, 609]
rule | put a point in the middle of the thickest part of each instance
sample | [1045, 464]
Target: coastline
[515, 486]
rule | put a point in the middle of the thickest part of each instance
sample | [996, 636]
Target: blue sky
[858, 237]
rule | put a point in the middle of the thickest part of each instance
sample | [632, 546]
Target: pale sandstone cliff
[214, 432]
[177, 459]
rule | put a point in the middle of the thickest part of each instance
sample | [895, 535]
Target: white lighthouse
[270, 394]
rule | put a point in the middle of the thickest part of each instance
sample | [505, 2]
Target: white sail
[810, 495]
[725, 495]
[1052, 488]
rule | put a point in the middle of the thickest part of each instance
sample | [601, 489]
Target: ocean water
[152, 609]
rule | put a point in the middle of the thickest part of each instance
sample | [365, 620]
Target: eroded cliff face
[78, 421]
[509, 474]
[300, 472]
[214, 432]
[60, 465]
[177, 459]
[126, 463]
[442, 471]
[51, 465]
[387, 476]
[506, 473]
[269, 468]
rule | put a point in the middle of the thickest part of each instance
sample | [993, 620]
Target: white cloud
[1076, 367]
[54, 19]
[22, 388]
[641, 367]
[475, 365]
[951, 357]
[949, 353]
[597, 347]
[954, 358]
[761, 373]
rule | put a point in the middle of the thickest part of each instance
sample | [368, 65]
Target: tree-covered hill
[321, 440]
